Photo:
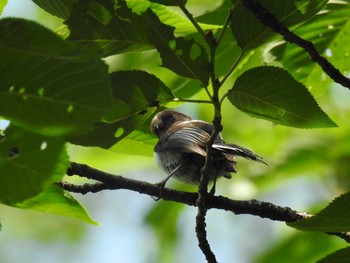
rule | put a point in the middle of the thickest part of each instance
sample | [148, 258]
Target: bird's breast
[168, 160]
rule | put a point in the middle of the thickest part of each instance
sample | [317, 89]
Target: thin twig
[233, 67]
[226, 24]
[273, 23]
[191, 18]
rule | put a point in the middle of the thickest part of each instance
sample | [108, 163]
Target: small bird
[181, 148]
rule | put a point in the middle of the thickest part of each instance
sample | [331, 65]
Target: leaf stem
[191, 18]
[234, 65]
[225, 26]
[192, 101]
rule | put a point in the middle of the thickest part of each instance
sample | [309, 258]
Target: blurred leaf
[280, 99]
[114, 29]
[163, 219]
[29, 163]
[60, 8]
[340, 256]
[328, 31]
[218, 15]
[334, 218]
[299, 247]
[49, 85]
[56, 201]
[250, 33]
[185, 57]
[3, 3]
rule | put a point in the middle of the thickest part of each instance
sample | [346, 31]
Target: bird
[181, 149]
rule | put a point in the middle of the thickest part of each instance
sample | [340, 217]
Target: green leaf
[251, 33]
[227, 53]
[3, 3]
[105, 135]
[298, 247]
[163, 218]
[182, 25]
[136, 96]
[138, 142]
[340, 256]
[56, 201]
[114, 29]
[49, 85]
[217, 16]
[271, 93]
[138, 90]
[60, 8]
[29, 163]
[184, 87]
[334, 218]
[185, 57]
[328, 31]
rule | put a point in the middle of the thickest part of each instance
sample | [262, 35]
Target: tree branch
[269, 20]
[108, 181]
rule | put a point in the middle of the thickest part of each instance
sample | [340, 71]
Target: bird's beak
[155, 125]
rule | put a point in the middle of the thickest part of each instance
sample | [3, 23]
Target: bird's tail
[234, 149]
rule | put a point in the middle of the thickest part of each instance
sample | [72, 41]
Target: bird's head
[165, 119]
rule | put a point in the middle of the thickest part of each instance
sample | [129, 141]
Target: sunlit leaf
[334, 218]
[328, 31]
[271, 93]
[49, 85]
[170, 17]
[56, 201]
[3, 3]
[29, 163]
[217, 16]
[251, 33]
[60, 8]
[113, 30]
[137, 143]
[185, 57]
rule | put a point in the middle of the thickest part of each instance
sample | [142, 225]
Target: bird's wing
[188, 139]
[234, 149]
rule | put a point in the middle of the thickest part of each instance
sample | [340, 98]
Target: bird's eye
[170, 116]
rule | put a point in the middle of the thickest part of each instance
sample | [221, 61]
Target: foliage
[57, 90]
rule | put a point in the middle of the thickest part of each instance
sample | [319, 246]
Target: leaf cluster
[56, 90]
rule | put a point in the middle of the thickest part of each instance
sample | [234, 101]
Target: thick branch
[272, 22]
[253, 207]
